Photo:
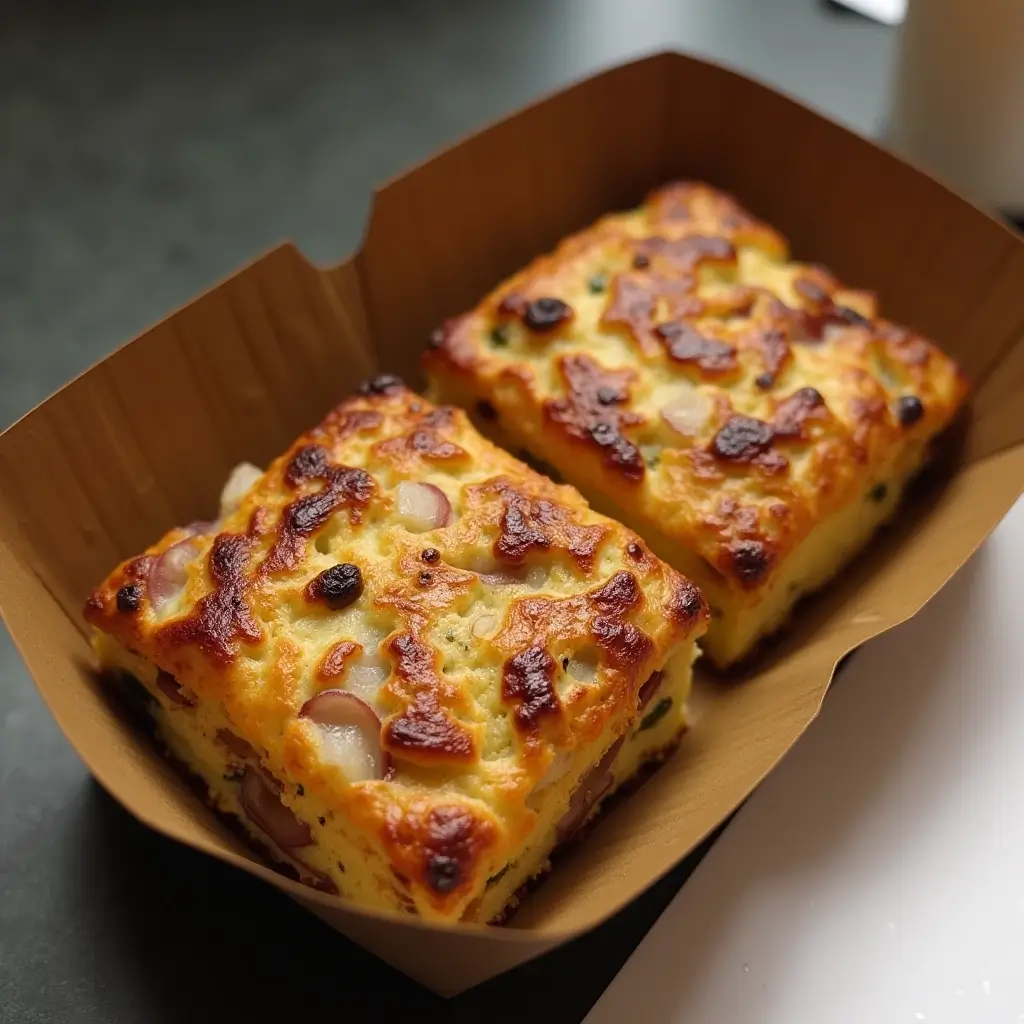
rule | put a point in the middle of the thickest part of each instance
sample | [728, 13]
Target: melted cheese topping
[728, 402]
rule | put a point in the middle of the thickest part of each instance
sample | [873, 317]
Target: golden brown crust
[794, 391]
[316, 571]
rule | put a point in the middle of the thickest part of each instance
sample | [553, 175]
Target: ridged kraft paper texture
[145, 439]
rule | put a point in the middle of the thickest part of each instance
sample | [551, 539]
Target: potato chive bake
[407, 663]
[751, 417]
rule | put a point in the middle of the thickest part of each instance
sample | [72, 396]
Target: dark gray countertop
[145, 154]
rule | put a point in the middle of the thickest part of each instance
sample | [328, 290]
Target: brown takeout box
[145, 439]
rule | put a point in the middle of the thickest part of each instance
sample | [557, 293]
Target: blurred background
[148, 150]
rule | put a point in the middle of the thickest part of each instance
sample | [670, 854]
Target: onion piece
[484, 625]
[648, 690]
[688, 412]
[238, 485]
[502, 579]
[318, 879]
[560, 765]
[365, 676]
[349, 733]
[516, 576]
[239, 747]
[170, 687]
[594, 785]
[168, 574]
[264, 808]
[422, 507]
[200, 526]
[582, 671]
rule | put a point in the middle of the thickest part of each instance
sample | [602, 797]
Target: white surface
[888, 12]
[878, 874]
[958, 86]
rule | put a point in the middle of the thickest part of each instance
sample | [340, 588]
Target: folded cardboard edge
[275, 880]
[564, 179]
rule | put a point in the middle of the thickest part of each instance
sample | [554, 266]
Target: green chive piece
[653, 717]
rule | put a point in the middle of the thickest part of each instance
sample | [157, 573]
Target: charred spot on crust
[688, 253]
[442, 416]
[430, 445]
[223, 617]
[775, 353]
[310, 462]
[430, 555]
[634, 300]
[333, 662]
[879, 492]
[909, 409]
[129, 598]
[741, 439]
[591, 411]
[625, 645]
[453, 841]
[485, 410]
[620, 452]
[512, 304]
[338, 587]
[528, 681]
[529, 524]
[685, 344]
[793, 412]
[851, 316]
[546, 314]
[641, 261]
[811, 291]
[344, 487]
[634, 551]
[381, 384]
[423, 442]
[522, 527]
[810, 326]
[750, 561]
[686, 603]
[618, 595]
[425, 730]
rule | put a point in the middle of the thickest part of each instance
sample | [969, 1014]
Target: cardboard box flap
[480, 210]
[146, 439]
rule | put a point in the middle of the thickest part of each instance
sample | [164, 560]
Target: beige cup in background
[958, 97]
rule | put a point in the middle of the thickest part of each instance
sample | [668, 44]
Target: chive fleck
[653, 717]
[597, 284]
[499, 335]
[878, 492]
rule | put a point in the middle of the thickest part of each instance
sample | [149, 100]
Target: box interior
[144, 439]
